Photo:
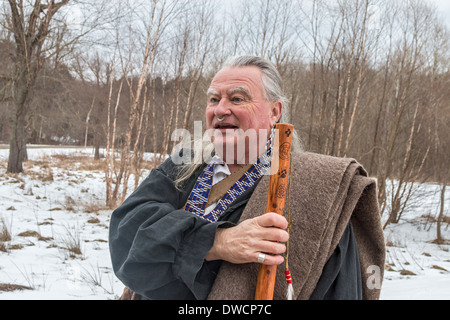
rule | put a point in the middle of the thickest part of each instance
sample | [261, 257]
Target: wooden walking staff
[276, 198]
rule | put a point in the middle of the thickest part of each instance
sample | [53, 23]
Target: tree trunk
[17, 146]
[439, 238]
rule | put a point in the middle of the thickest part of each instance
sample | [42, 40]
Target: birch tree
[155, 18]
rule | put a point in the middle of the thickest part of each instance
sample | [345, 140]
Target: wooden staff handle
[276, 198]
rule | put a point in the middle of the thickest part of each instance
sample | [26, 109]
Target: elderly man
[170, 240]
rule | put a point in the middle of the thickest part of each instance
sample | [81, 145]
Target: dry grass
[62, 161]
[81, 162]
[405, 272]
[93, 207]
[34, 234]
[70, 204]
[14, 178]
[93, 220]
[70, 157]
[5, 235]
[8, 287]
[29, 233]
[15, 246]
[72, 242]
[92, 165]
[439, 268]
[430, 218]
[67, 162]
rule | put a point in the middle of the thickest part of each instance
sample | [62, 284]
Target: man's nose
[223, 108]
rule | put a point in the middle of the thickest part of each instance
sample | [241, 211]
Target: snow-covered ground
[417, 268]
[58, 204]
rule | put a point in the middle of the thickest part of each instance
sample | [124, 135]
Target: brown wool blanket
[326, 193]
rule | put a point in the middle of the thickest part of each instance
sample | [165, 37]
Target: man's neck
[234, 167]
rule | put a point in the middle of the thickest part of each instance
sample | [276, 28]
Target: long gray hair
[273, 91]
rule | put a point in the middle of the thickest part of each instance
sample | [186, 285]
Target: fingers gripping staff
[276, 198]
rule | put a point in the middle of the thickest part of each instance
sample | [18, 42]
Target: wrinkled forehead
[230, 91]
[247, 78]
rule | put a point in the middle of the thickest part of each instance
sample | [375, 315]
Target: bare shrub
[72, 242]
[5, 235]
[69, 204]
[3, 247]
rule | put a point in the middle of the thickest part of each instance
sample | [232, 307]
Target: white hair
[272, 82]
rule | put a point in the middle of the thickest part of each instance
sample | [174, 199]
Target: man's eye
[237, 99]
[214, 100]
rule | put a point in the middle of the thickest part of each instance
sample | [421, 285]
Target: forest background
[367, 79]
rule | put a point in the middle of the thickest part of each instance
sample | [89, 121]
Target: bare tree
[30, 30]
[438, 100]
[160, 14]
[38, 35]
[408, 61]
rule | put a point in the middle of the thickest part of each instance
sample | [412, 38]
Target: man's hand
[244, 242]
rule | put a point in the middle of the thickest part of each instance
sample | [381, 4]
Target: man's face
[236, 96]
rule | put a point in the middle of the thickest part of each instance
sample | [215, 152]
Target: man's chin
[224, 147]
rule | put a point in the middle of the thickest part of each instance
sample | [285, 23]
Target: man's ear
[277, 107]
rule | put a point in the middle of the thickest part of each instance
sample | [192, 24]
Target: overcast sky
[444, 9]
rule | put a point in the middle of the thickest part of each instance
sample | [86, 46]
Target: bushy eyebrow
[240, 90]
[212, 92]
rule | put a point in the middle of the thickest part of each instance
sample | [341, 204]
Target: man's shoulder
[312, 157]
[324, 165]
[179, 163]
